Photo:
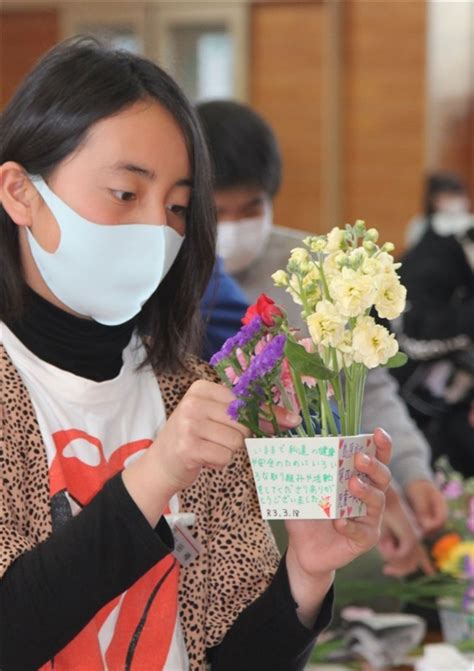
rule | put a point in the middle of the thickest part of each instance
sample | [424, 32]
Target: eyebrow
[148, 174]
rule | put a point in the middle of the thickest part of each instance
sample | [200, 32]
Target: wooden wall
[378, 157]
[286, 84]
[24, 37]
[384, 94]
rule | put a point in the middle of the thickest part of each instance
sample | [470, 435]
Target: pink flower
[453, 489]
[231, 375]
[308, 344]
[260, 346]
[288, 386]
[470, 517]
[242, 359]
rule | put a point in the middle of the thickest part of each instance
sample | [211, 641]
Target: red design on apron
[147, 611]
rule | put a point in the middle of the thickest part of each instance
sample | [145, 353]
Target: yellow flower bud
[280, 278]
[360, 226]
[372, 235]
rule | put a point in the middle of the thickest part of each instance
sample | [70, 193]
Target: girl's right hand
[198, 434]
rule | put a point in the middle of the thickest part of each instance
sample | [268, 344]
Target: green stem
[329, 417]
[327, 295]
[322, 393]
[271, 414]
[256, 430]
[302, 401]
[306, 309]
[289, 406]
[350, 385]
[358, 396]
[336, 383]
[363, 379]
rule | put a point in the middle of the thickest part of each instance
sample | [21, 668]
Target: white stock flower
[294, 289]
[280, 278]
[299, 259]
[372, 344]
[387, 262]
[357, 258]
[335, 240]
[318, 244]
[391, 296]
[372, 266]
[326, 325]
[352, 292]
[331, 266]
[345, 350]
[311, 287]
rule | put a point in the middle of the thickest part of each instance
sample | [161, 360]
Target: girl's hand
[318, 547]
[199, 434]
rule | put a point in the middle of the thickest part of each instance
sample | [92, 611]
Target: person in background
[446, 206]
[437, 328]
[248, 172]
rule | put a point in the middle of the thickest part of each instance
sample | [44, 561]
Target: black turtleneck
[81, 346]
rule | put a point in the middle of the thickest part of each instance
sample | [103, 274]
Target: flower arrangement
[453, 552]
[341, 281]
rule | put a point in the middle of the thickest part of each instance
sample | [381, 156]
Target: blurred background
[366, 96]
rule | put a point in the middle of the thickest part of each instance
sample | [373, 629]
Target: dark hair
[244, 150]
[441, 182]
[76, 84]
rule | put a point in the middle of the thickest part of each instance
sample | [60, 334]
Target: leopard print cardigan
[239, 555]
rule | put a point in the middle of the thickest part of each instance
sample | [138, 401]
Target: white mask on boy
[241, 242]
[99, 271]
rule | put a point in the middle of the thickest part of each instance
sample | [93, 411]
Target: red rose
[265, 308]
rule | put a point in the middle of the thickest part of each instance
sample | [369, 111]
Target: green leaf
[306, 363]
[397, 361]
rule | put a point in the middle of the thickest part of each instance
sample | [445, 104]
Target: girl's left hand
[325, 545]
[318, 547]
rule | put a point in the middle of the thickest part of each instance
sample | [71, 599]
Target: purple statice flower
[470, 515]
[246, 386]
[261, 365]
[249, 387]
[240, 339]
[234, 409]
[224, 352]
[248, 332]
[468, 600]
[469, 567]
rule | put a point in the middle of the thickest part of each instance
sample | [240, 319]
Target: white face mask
[99, 271]
[452, 224]
[240, 243]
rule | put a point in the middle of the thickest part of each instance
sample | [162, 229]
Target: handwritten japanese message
[306, 478]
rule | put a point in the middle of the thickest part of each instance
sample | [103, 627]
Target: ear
[17, 194]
